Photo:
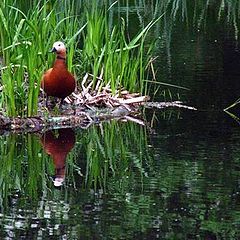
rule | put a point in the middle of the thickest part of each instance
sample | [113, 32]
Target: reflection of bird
[58, 147]
[58, 81]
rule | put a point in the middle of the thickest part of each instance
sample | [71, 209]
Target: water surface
[175, 178]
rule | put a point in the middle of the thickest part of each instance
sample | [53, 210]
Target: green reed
[27, 35]
[26, 38]
[108, 52]
[28, 30]
[231, 110]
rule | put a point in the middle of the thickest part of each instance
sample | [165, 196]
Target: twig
[132, 119]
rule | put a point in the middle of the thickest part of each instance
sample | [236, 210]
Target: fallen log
[162, 105]
[82, 119]
[87, 106]
[41, 123]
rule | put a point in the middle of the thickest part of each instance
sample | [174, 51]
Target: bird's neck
[60, 60]
[61, 55]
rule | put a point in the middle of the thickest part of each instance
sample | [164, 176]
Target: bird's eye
[59, 45]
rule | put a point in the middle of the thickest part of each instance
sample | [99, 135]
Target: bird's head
[59, 48]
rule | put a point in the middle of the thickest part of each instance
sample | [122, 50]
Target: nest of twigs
[96, 97]
[86, 106]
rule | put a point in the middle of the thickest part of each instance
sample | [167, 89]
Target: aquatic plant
[231, 110]
[25, 41]
[28, 29]
[109, 54]
[27, 36]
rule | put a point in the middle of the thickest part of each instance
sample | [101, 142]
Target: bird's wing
[45, 76]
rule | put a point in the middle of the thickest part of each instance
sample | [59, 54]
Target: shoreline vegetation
[86, 108]
[26, 38]
[85, 119]
[119, 67]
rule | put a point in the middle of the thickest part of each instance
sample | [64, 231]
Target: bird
[58, 81]
[58, 145]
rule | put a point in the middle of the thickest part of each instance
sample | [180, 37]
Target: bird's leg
[47, 101]
[74, 107]
[61, 103]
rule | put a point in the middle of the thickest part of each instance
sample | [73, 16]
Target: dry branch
[82, 120]
[91, 105]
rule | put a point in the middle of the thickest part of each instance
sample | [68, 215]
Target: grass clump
[26, 36]
[25, 41]
[108, 53]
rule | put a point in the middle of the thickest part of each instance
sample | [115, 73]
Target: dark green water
[179, 179]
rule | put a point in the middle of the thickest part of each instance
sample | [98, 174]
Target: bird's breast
[58, 82]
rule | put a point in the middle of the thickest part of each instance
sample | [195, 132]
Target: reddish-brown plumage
[58, 146]
[58, 81]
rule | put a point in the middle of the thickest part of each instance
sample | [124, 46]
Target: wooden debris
[134, 100]
[82, 120]
[103, 95]
[91, 105]
[161, 105]
[135, 120]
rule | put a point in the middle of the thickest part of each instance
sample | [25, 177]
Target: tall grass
[28, 29]
[107, 52]
[25, 41]
[27, 36]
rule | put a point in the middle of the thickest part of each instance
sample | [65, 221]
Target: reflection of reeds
[112, 150]
[23, 168]
[189, 11]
